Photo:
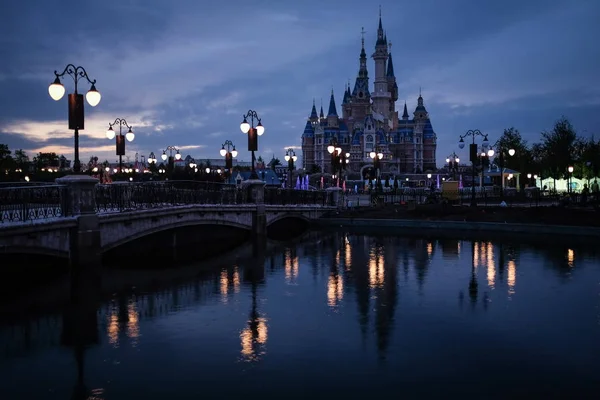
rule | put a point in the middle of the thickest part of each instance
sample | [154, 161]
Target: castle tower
[360, 100]
[381, 96]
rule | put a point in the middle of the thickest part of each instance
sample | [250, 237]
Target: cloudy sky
[184, 71]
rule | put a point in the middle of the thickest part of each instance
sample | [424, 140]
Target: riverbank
[547, 221]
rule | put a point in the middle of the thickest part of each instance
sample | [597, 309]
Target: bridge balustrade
[36, 202]
[28, 202]
[147, 195]
[284, 197]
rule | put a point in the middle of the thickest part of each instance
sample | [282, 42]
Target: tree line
[558, 149]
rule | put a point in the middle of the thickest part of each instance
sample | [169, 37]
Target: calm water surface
[343, 316]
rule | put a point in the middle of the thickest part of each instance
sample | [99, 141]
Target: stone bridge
[87, 230]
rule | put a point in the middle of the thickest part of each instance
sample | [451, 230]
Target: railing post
[336, 195]
[255, 190]
[85, 240]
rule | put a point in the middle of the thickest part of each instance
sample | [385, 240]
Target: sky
[183, 72]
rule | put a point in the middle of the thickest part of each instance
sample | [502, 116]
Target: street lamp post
[473, 156]
[120, 138]
[253, 133]
[376, 156]
[76, 114]
[290, 157]
[177, 157]
[453, 161]
[570, 169]
[229, 152]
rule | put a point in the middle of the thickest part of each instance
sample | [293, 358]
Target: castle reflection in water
[365, 272]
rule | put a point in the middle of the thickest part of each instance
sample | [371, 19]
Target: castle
[370, 122]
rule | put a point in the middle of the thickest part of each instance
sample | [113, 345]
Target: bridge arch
[171, 225]
[287, 215]
[34, 250]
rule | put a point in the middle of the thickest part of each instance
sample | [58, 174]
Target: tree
[511, 139]
[315, 169]
[589, 159]
[7, 163]
[21, 158]
[559, 148]
[44, 160]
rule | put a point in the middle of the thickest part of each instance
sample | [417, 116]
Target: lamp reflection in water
[228, 283]
[491, 266]
[347, 254]
[473, 285]
[570, 258]
[335, 283]
[376, 270]
[130, 318]
[254, 337]
[512, 276]
[112, 329]
[133, 323]
[291, 267]
[429, 249]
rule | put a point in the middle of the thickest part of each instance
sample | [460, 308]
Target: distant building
[370, 122]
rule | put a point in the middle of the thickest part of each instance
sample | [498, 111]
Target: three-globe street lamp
[376, 157]
[290, 157]
[177, 157]
[473, 156]
[253, 133]
[452, 160]
[120, 138]
[501, 154]
[76, 114]
[229, 152]
[337, 159]
[152, 158]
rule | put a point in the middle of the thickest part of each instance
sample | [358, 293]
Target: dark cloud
[184, 72]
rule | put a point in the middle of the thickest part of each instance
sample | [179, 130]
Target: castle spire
[405, 114]
[321, 115]
[380, 33]
[313, 112]
[332, 108]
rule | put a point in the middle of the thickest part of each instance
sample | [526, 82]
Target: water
[344, 316]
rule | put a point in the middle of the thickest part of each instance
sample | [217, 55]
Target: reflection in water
[346, 269]
[228, 283]
[291, 267]
[112, 329]
[347, 254]
[491, 266]
[335, 289]
[133, 327]
[570, 258]
[512, 276]
[376, 270]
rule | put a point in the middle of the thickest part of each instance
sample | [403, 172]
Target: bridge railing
[117, 197]
[279, 196]
[26, 203]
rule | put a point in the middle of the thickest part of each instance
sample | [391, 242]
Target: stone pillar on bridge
[336, 194]
[255, 190]
[85, 240]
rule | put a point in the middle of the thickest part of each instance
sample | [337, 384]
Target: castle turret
[332, 115]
